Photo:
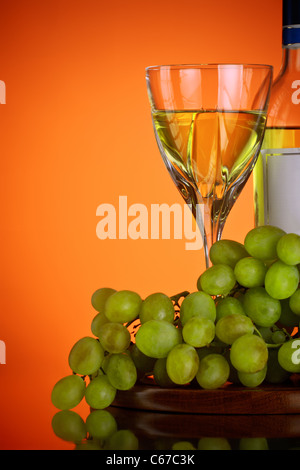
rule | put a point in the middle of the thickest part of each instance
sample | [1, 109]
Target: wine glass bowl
[209, 122]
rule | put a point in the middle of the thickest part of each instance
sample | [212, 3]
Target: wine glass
[209, 122]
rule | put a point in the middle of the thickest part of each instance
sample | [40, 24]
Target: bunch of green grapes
[240, 325]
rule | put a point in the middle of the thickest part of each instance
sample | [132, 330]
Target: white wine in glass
[209, 122]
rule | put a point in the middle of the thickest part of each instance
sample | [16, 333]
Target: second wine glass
[209, 122]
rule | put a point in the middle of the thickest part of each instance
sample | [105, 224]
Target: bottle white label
[282, 188]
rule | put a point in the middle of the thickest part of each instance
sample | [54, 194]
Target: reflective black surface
[155, 431]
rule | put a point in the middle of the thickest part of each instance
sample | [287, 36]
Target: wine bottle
[277, 171]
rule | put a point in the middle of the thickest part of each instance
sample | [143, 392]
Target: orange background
[76, 132]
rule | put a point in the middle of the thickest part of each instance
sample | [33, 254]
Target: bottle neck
[291, 59]
[291, 40]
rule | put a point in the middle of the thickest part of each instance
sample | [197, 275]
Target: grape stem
[175, 298]
[287, 333]
[271, 345]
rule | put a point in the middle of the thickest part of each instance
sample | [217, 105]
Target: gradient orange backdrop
[76, 132]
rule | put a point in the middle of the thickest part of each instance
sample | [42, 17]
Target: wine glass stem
[210, 227]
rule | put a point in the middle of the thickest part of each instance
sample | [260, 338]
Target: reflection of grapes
[240, 326]
[183, 445]
[101, 424]
[124, 439]
[69, 426]
[213, 443]
[253, 443]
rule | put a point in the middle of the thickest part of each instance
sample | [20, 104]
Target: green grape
[263, 309]
[101, 424]
[253, 379]
[217, 280]
[287, 318]
[100, 393]
[229, 306]
[204, 351]
[239, 296]
[157, 306]
[142, 362]
[250, 272]
[288, 249]
[197, 304]
[281, 280]
[278, 337]
[121, 371]
[294, 302]
[105, 362]
[266, 333]
[183, 445]
[114, 337]
[233, 374]
[227, 252]
[123, 306]
[249, 353]
[156, 338]
[160, 374]
[261, 242]
[86, 356]
[124, 439]
[289, 356]
[100, 297]
[231, 327]
[98, 321]
[198, 332]
[68, 392]
[213, 372]
[182, 364]
[213, 443]
[253, 443]
[98, 372]
[69, 426]
[275, 373]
